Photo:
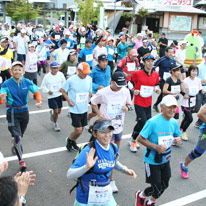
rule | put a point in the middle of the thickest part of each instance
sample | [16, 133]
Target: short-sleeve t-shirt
[192, 88]
[155, 128]
[173, 86]
[111, 105]
[104, 165]
[78, 92]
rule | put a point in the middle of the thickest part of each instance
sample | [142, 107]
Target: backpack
[91, 170]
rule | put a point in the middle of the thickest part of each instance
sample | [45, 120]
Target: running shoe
[184, 136]
[155, 108]
[74, 145]
[51, 115]
[146, 203]
[130, 142]
[197, 125]
[113, 186]
[23, 166]
[56, 127]
[133, 147]
[70, 144]
[184, 171]
[138, 200]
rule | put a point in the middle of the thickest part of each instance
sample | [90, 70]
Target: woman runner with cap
[93, 168]
[16, 90]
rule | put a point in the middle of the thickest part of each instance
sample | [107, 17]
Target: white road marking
[36, 112]
[187, 199]
[50, 151]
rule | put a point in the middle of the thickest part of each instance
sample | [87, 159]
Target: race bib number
[33, 59]
[68, 44]
[175, 88]
[146, 91]
[193, 91]
[130, 85]
[82, 41]
[71, 70]
[166, 141]
[57, 37]
[110, 51]
[166, 75]
[99, 195]
[131, 67]
[82, 97]
[114, 108]
[89, 57]
[55, 88]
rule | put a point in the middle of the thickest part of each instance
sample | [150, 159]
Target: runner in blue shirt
[157, 136]
[93, 168]
[86, 54]
[16, 90]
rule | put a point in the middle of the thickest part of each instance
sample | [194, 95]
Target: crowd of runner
[114, 75]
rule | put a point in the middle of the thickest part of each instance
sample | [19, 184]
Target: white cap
[17, 63]
[2, 160]
[139, 34]
[183, 42]
[83, 29]
[169, 100]
[23, 31]
[67, 33]
[61, 24]
[31, 45]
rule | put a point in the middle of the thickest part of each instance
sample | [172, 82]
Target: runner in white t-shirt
[192, 87]
[51, 85]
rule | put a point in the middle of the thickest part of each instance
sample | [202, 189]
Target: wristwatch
[23, 200]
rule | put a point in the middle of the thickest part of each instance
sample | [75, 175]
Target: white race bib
[166, 141]
[130, 85]
[192, 101]
[146, 91]
[82, 41]
[68, 44]
[82, 97]
[175, 88]
[99, 195]
[166, 75]
[131, 67]
[57, 36]
[110, 51]
[193, 91]
[89, 57]
[71, 70]
[55, 88]
[114, 108]
[33, 59]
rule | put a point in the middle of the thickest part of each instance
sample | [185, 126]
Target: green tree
[88, 10]
[21, 10]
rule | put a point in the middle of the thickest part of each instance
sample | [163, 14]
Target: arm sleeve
[97, 98]
[146, 130]
[38, 96]
[118, 166]
[74, 173]
[98, 40]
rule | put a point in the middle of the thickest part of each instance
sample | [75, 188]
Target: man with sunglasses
[145, 82]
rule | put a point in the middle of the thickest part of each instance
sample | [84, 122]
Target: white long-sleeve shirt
[53, 83]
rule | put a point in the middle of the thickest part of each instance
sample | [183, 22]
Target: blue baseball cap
[54, 64]
[103, 126]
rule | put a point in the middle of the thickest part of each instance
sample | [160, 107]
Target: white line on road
[36, 112]
[187, 199]
[50, 151]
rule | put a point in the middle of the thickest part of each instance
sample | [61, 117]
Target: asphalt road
[52, 187]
